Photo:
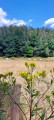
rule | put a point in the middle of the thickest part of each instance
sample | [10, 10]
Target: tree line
[26, 42]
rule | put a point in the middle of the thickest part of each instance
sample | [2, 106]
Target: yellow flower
[26, 64]
[33, 64]
[29, 77]
[9, 73]
[44, 73]
[38, 72]
[36, 75]
[6, 74]
[24, 74]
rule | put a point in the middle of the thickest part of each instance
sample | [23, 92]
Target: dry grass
[17, 65]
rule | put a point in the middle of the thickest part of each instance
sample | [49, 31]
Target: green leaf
[1, 115]
[52, 116]
[9, 93]
[5, 86]
[27, 90]
[3, 118]
[36, 94]
[43, 115]
[37, 109]
[51, 81]
[45, 82]
[52, 92]
[35, 97]
[20, 104]
[33, 113]
[35, 105]
[2, 111]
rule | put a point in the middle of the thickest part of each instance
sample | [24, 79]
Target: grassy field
[16, 65]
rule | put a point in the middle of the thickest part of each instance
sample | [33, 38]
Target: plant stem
[42, 95]
[17, 104]
[31, 101]
[50, 115]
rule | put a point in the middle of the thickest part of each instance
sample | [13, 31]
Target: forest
[26, 42]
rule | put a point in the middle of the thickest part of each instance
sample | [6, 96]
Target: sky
[35, 13]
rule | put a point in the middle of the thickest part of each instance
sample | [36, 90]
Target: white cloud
[49, 22]
[30, 20]
[2, 13]
[21, 22]
[7, 22]
[52, 26]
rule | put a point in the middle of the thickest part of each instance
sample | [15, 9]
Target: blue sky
[35, 13]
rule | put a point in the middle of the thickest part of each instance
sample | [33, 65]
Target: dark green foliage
[21, 41]
[29, 51]
[2, 117]
[43, 115]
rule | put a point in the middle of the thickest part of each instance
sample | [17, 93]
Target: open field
[16, 65]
